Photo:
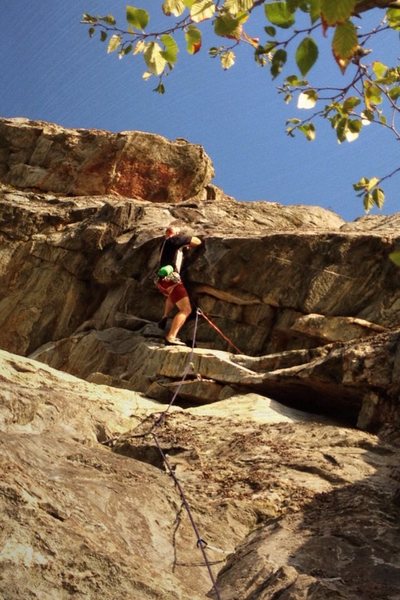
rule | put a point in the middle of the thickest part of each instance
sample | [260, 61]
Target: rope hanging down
[186, 370]
[161, 416]
[200, 542]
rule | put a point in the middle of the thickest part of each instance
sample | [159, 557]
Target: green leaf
[294, 81]
[160, 89]
[91, 31]
[227, 25]
[350, 103]
[278, 14]
[395, 257]
[193, 39]
[309, 131]
[311, 7]
[394, 93]
[341, 128]
[391, 76]
[368, 202]
[103, 36]
[269, 46]
[109, 19]
[367, 116]
[154, 59]
[171, 49]
[393, 18]
[306, 55]
[278, 62]
[86, 18]
[353, 129]
[127, 50]
[355, 125]
[315, 10]
[269, 30]
[137, 17]
[227, 60]
[334, 120]
[371, 183]
[202, 10]
[114, 43]
[293, 5]
[236, 6]
[372, 94]
[361, 184]
[379, 69]
[344, 43]
[378, 197]
[336, 11]
[173, 7]
[307, 99]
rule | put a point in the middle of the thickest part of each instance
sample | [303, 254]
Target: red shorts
[175, 292]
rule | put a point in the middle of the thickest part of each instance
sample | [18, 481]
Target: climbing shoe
[174, 342]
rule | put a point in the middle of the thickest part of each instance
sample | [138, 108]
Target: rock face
[77, 290]
[260, 421]
[43, 156]
[287, 504]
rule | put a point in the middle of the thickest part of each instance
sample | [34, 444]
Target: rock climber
[170, 284]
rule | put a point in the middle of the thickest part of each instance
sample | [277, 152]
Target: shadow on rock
[344, 545]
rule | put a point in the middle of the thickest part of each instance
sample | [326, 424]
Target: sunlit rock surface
[78, 162]
[282, 498]
[283, 434]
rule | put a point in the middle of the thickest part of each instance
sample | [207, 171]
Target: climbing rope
[161, 416]
[201, 544]
[213, 325]
[186, 370]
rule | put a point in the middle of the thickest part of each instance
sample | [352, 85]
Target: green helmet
[164, 271]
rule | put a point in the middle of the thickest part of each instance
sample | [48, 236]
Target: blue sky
[51, 70]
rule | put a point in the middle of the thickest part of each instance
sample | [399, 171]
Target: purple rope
[200, 542]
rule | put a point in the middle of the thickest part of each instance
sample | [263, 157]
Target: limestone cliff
[292, 498]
